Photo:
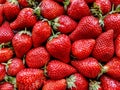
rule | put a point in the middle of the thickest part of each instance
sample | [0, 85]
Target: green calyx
[94, 85]
[55, 23]
[66, 3]
[2, 45]
[7, 64]
[32, 3]
[25, 32]
[54, 35]
[115, 10]
[13, 2]
[37, 11]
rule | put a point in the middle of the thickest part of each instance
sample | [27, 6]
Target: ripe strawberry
[59, 47]
[6, 86]
[81, 49]
[55, 85]
[88, 67]
[58, 70]
[64, 24]
[104, 47]
[30, 79]
[22, 42]
[25, 18]
[11, 6]
[115, 2]
[77, 82]
[1, 14]
[51, 9]
[90, 1]
[117, 46]
[40, 33]
[88, 27]
[37, 57]
[2, 1]
[2, 72]
[78, 12]
[6, 34]
[26, 3]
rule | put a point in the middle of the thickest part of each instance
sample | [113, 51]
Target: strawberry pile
[59, 44]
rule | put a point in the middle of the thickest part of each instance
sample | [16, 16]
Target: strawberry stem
[94, 85]
[25, 32]
[66, 3]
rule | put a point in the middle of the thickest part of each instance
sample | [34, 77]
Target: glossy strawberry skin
[104, 47]
[51, 9]
[117, 46]
[88, 27]
[30, 79]
[58, 70]
[2, 72]
[81, 49]
[6, 86]
[40, 33]
[88, 67]
[59, 47]
[37, 57]
[23, 3]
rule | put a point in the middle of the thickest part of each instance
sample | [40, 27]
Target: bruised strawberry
[81, 49]
[88, 27]
[37, 57]
[117, 46]
[2, 72]
[59, 47]
[115, 2]
[6, 86]
[26, 3]
[25, 18]
[104, 47]
[58, 70]
[88, 67]
[40, 33]
[1, 14]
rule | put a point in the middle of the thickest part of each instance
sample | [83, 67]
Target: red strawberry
[78, 12]
[25, 18]
[1, 14]
[30, 79]
[6, 34]
[104, 47]
[37, 57]
[58, 70]
[11, 6]
[51, 9]
[2, 1]
[6, 86]
[115, 2]
[55, 85]
[81, 49]
[64, 24]
[14, 66]
[22, 42]
[59, 47]
[117, 46]
[88, 67]
[2, 72]
[40, 33]
[77, 82]
[88, 27]
[90, 1]
[26, 3]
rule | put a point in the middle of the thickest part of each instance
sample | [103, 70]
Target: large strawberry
[22, 43]
[59, 47]
[117, 46]
[2, 72]
[58, 70]
[37, 57]
[40, 33]
[88, 67]
[6, 86]
[30, 79]
[81, 49]
[104, 47]
[88, 27]
[25, 18]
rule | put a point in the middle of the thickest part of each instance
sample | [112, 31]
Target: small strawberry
[37, 57]
[64, 24]
[104, 47]
[2, 1]
[88, 27]
[58, 70]
[90, 1]
[2, 72]
[22, 42]
[30, 79]
[6, 86]
[81, 49]
[1, 14]
[59, 47]
[26, 3]
[117, 46]
[40, 33]
[115, 2]
[11, 6]
[88, 67]
[25, 18]
[55, 85]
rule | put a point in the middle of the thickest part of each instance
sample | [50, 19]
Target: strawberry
[2, 72]
[117, 46]
[115, 2]
[40, 33]
[6, 86]
[2, 1]
[58, 70]
[6, 34]
[11, 6]
[26, 3]
[1, 14]
[25, 18]
[88, 27]
[64, 24]
[59, 47]
[78, 12]
[90, 1]
[22, 42]
[104, 47]
[37, 57]
[77, 82]
[88, 67]
[51, 9]
[30, 79]
[81, 49]
[55, 85]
